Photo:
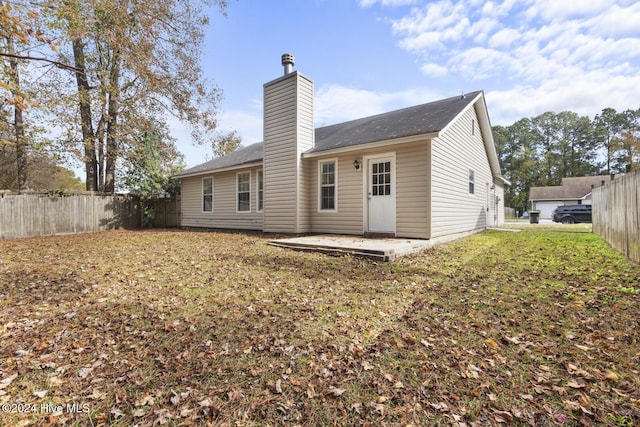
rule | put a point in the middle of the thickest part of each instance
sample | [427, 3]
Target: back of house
[426, 171]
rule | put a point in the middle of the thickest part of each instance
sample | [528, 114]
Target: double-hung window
[472, 181]
[207, 195]
[244, 192]
[328, 181]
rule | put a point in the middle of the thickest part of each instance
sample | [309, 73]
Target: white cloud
[248, 124]
[563, 10]
[335, 103]
[559, 55]
[504, 38]
[585, 94]
[434, 70]
[368, 3]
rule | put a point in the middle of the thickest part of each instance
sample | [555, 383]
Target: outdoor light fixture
[356, 164]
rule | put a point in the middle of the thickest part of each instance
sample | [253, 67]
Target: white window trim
[258, 172]
[202, 195]
[238, 194]
[469, 181]
[335, 184]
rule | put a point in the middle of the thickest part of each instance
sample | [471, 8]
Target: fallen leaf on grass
[561, 418]
[367, 366]
[139, 413]
[357, 407]
[55, 381]
[117, 413]
[440, 406]
[576, 383]
[5, 382]
[147, 400]
[502, 416]
[410, 339]
[311, 392]
[205, 403]
[84, 372]
[584, 400]
[40, 393]
[528, 397]
[335, 391]
[512, 340]
[186, 412]
[611, 376]
[491, 344]
[427, 343]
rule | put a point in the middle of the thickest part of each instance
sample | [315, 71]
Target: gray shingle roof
[417, 120]
[244, 155]
[572, 188]
[411, 121]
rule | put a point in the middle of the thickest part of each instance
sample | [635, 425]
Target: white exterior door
[381, 194]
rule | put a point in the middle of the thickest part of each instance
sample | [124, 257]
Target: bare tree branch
[50, 61]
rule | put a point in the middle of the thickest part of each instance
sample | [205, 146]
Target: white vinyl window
[207, 195]
[260, 187]
[244, 192]
[472, 181]
[327, 190]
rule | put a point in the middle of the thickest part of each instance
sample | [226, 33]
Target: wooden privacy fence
[509, 212]
[166, 212]
[616, 213]
[26, 215]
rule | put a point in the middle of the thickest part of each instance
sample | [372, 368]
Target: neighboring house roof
[574, 188]
[412, 121]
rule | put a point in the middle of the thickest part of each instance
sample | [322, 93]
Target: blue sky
[373, 56]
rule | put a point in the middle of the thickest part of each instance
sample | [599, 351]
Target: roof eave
[370, 145]
[212, 171]
[552, 199]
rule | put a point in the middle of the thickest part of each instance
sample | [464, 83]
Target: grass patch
[181, 328]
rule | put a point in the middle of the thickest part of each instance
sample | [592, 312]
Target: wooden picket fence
[616, 213]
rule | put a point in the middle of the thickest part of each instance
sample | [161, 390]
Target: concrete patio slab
[383, 249]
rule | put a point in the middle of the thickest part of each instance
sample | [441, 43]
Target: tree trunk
[21, 148]
[88, 138]
[112, 125]
[100, 143]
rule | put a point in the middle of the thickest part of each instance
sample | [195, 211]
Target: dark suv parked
[572, 213]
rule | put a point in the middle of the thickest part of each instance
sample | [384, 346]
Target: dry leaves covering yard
[207, 328]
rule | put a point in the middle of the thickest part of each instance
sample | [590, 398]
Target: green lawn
[538, 327]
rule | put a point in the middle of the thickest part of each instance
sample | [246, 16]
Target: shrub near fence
[26, 215]
[616, 213]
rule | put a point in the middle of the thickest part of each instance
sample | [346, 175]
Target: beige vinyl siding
[306, 141]
[224, 213]
[457, 150]
[347, 218]
[413, 218]
[288, 106]
[412, 191]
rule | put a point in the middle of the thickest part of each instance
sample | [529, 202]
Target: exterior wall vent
[288, 61]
